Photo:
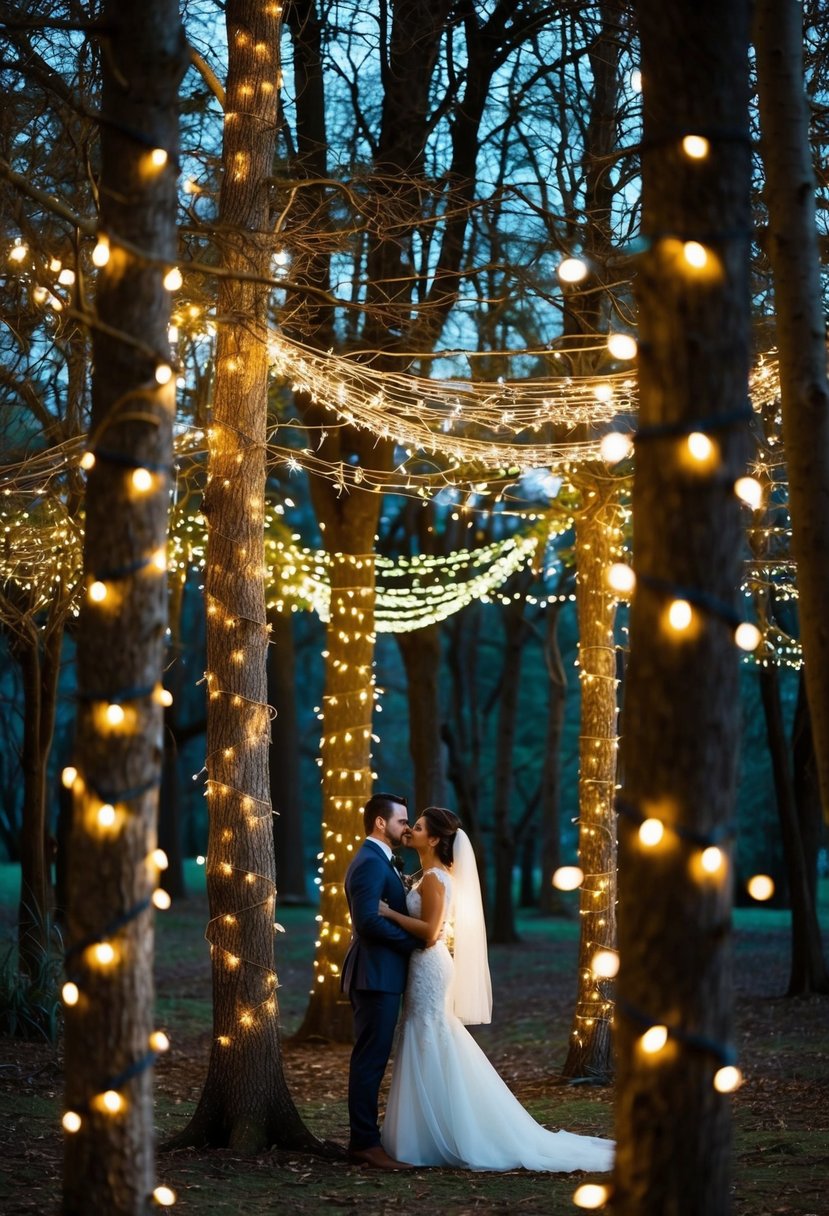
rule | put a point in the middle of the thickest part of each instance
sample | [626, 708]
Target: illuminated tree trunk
[345, 744]
[245, 1104]
[109, 1160]
[794, 252]
[549, 902]
[598, 539]
[286, 797]
[681, 709]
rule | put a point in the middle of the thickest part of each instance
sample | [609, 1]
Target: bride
[447, 1104]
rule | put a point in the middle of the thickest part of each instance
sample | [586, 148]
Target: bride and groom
[447, 1105]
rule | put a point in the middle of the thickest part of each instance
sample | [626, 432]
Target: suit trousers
[375, 1017]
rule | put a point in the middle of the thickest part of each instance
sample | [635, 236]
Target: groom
[374, 970]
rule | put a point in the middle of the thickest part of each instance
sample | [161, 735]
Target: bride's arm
[432, 901]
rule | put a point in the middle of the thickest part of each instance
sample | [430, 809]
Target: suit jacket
[377, 959]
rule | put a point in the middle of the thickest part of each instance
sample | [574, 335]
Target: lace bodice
[414, 903]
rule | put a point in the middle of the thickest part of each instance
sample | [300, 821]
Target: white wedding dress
[447, 1104]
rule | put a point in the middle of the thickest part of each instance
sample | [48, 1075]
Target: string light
[654, 1039]
[760, 887]
[572, 270]
[568, 878]
[591, 1195]
[696, 147]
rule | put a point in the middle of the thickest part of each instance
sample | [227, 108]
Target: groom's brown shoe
[377, 1157]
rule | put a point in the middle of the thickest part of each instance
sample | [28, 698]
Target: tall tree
[681, 709]
[793, 248]
[109, 1151]
[245, 1103]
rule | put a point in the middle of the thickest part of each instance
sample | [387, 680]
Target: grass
[781, 1115]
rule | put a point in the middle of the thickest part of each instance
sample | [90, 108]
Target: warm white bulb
[173, 279]
[749, 491]
[88, 461]
[727, 1079]
[605, 964]
[159, 859]
[165, 697]
[159, 1041]
[142, 480]
[106, 815]
[760, 887]
[18, 253]
[615, 446]
[696, 147]
[654, 1039]
[712, 859]
[590, 1195]
[97, 591]
[161, 899]
[66, 277]
[69, 776]
[680, 615]
[572, 270]
[622, 346]
[112, 1101]
[70, 993]
[164, 1196]
[695, 254]
[747, 636]
[115, 714]
[651, 832]
[100, 254]
[568, 878]
[163, 373]
[699, 446]
[104, 953]
[159, 157]
[71, 1122]
[620, 578]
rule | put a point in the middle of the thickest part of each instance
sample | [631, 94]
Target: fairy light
[163, 373]
[696, 147]
[70, 993]
[111, 1101]
[760, 887]
[572, 270]
[615, 447]
[654, 1039]
[680, 615]
[622, 346]
[173, 279]
[106, 815]
[69, 776]
[71, 1122]
[591, 1195]
[98, 591]
[750, 491]
[568, 878]
[101, 252]
[695, 254]
[142, 480]
[651, 832]
[161, 899]
[747, 636]
[605, 964]
[700, 447]
[158, 158]
[164, 1196]
[159, 1042]
[115, 714]
[87, 461]
[621, 578]
[727, 1079]
[18, 253]
[104, 954]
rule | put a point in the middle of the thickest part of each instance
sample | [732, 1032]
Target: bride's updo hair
[443, 824]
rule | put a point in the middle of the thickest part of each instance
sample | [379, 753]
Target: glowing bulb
[712, 858]
[104, 953]
[727, 1079]
[97, 591]
[100, 254]
[651, 832]
[696, 147]
[695, 254]
[165, 697]
[159, 561]
[654, 1039]
[106, 815]
[159, 157]
[173, 279]
[164, 1196]
[749, 491]
[159, 1041]
[142, 480]
[66, 277]
[747, 636]
[70, 993]
[163, 373]
[622, 346]
[760, 887]
[615, 446]
[71, 1121]
[161, 899]
[680, 615]
[568, 878]
[115, 714]
[112, 1101]
[88, 461]
[590, 1195]
[18, 253]
[69, 776]
[699, 446]
[159, 859]
[636, 80]
[572, 270]
[605, 964]
[620, 578]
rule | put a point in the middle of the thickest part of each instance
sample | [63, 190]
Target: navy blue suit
[374, 976]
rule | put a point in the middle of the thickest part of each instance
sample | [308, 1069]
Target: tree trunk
[109, 1160]
[681, 711]
[598, 540]
[284, 762]
[421, 652]
[801, 337]
[808, 970]
[806, 789]
[245, 1104]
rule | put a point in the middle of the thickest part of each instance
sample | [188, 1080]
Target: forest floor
[781, 1114]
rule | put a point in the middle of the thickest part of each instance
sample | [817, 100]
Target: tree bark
[421, 653]
[808, 972]
[801, 337]
[109, 1160]
[681, 711]
[598, 540]
[549, 903]
[245, 1104]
